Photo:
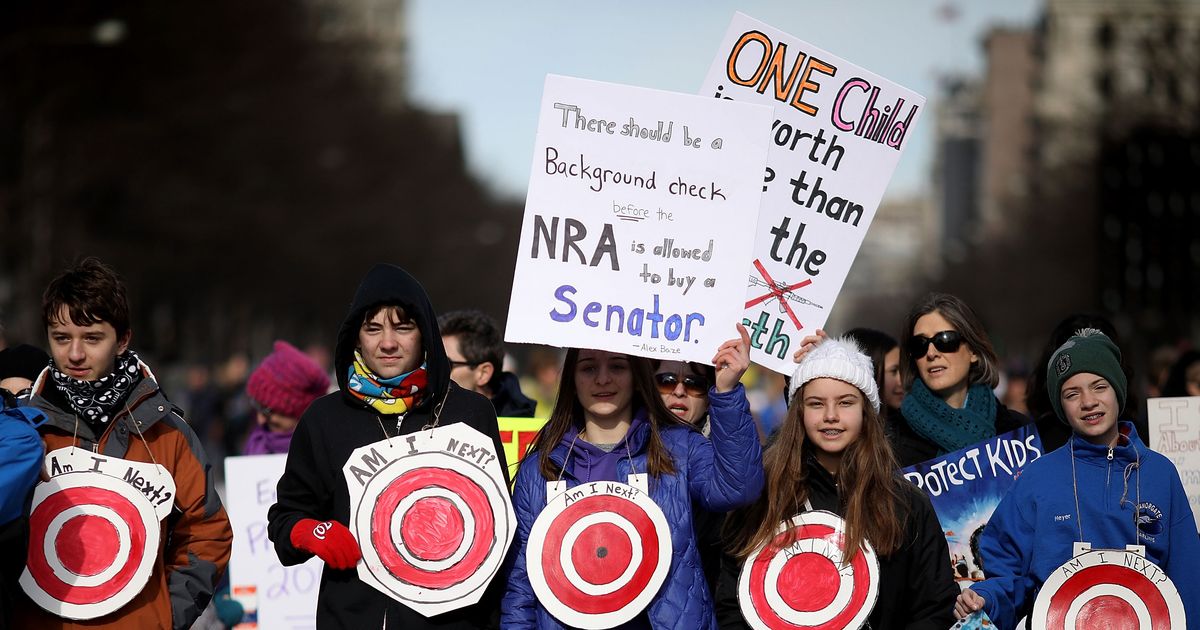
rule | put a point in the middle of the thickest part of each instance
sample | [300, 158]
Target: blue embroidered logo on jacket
[1149, 521]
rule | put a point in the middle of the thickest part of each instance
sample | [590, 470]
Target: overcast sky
[487, 60]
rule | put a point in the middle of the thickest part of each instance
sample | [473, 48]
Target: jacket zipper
[109, 429]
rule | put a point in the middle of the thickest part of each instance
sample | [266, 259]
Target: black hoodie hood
[392, 286]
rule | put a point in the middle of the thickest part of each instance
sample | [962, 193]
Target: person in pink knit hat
[280, 389]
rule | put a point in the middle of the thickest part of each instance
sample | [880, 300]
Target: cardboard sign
[1108, 588]
[599, 552]
[273, 595]
[432, 516]
[837, 135]
[1175, 432]
[800, 578]
[94, 532]
[966, 486]
[640, 215]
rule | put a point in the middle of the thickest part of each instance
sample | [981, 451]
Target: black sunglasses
[945, 341]
[695, 386]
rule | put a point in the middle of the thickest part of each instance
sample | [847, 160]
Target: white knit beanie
[841, 359]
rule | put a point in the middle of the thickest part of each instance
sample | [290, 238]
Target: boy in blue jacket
[1105, 487]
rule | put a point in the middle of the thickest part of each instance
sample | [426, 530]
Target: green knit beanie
[1089, 351]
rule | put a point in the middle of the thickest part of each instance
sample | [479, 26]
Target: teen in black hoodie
[313, 486]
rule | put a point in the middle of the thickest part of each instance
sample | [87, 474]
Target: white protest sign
[799, 579]
[1175, 432]
[93, 537]
[432, 515]
[639, 219]
[286, 596]
[599, 552]
[837, 136]
[1108, 588]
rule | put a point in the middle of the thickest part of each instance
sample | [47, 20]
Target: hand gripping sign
[432, 516]
[598, 552]
[1108, 588]
[797, 580]
[94, 532]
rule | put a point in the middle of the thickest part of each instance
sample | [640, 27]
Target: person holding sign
[684, 389]
[608, 425]
[1105, 488]
[395, 381]
[832, 455]
[99, 398]
[950, 368]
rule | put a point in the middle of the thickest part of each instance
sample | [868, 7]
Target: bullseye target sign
[1108, 588]
[598, 553]
[432, 516]
[93, 542]
[799, 579]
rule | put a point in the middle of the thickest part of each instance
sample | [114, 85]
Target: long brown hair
[868, 489]
[568, 415]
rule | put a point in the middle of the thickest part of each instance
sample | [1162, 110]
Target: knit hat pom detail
[840, 359]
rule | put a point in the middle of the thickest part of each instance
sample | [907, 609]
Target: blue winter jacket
[21, 454]
[721, 473]
[1034, 528]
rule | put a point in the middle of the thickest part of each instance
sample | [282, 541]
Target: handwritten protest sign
[431, 515]
[837, 135]
[286, 596]
[966, 486]
[640, 216]
[94, 532]
[1175, 432]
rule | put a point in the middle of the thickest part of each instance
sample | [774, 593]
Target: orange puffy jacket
[195, 538]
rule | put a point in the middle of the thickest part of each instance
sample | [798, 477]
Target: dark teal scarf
[950, 428]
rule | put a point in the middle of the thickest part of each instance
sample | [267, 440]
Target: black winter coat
[313, 486]
[916, 586]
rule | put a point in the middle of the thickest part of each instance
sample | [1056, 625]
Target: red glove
[330, 541]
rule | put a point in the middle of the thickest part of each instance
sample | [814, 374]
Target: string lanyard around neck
[571, 451]
[1130, 468]
[437, 415]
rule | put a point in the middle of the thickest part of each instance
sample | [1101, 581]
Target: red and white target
[598, 554]
[93, 540]
[799, 580]
[1109, 588]
[433, 527]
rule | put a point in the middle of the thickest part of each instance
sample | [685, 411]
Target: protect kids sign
[835, 139]
[639, 221]
[966, 486]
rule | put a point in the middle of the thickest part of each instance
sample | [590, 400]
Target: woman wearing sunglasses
[684, 388]
[948, 363]
[609, 422]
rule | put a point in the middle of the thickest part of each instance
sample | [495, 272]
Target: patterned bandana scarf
[950, 428]
[97, 401]
[393, 395]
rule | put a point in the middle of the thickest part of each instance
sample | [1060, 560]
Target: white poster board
[639, 219]
[836, 138]
[286, 596]
[432, 516]
[1175, 432]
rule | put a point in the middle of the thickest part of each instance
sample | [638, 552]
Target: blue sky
[486, 61]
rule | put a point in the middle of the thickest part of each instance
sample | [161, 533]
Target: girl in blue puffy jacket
[610, 422]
